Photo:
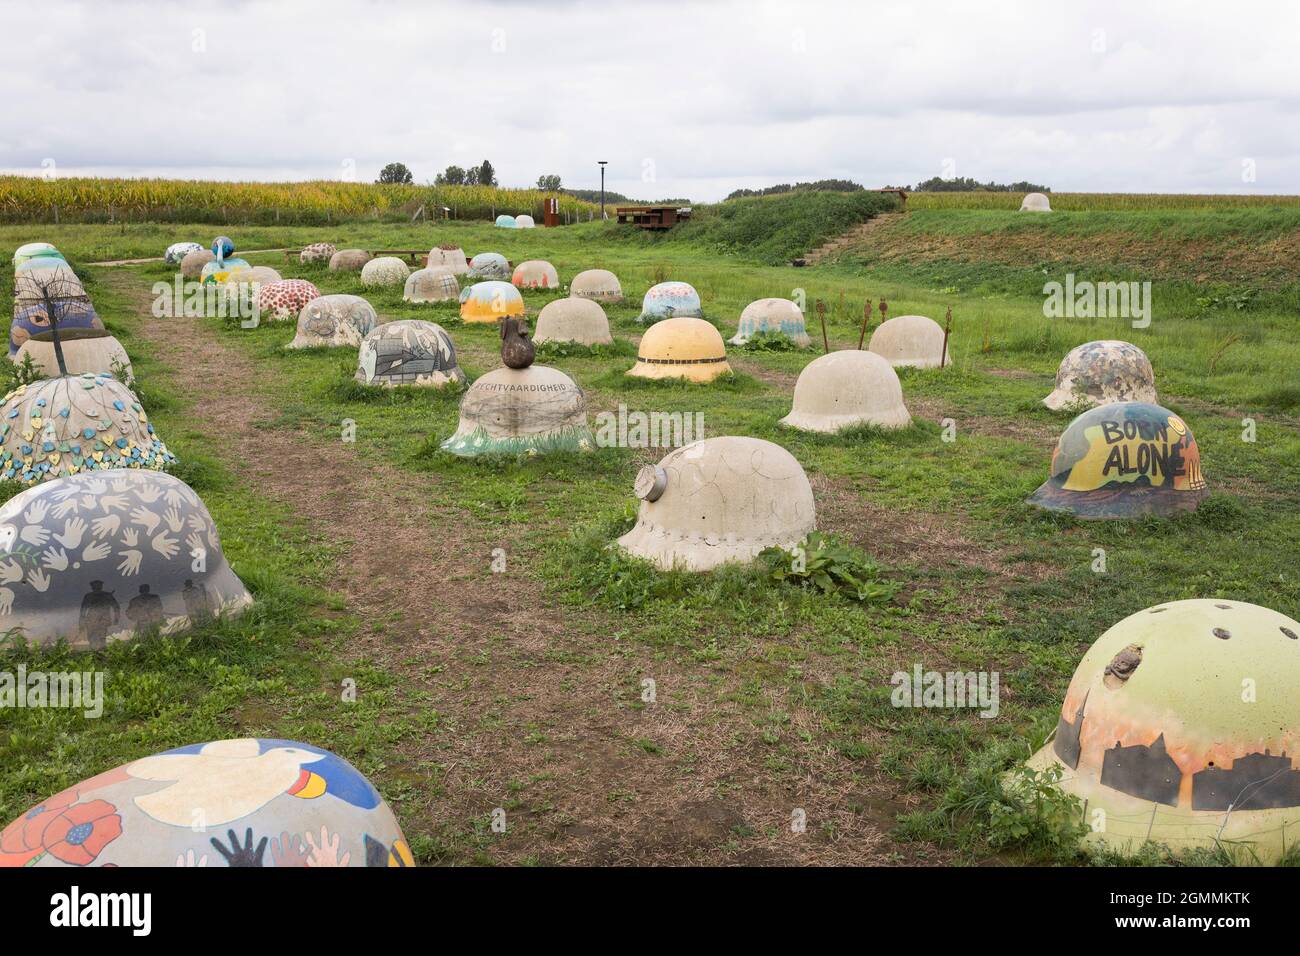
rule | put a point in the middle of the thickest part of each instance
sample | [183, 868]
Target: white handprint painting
[117, 565]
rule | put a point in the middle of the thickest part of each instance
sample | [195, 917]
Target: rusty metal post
[866, 320]
[821, 314]
[947, 328]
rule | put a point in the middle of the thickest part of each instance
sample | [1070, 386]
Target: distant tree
[549, 183]
[396, 173]
[471, 176]
[965, 184]
[452, 176]
[487, 176]
[821, 185]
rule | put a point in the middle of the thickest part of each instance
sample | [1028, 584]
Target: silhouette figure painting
[197, 603]
[145, 610]
[99, 612]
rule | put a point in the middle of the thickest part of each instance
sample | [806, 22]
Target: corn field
[1095, 201]
[74, 200]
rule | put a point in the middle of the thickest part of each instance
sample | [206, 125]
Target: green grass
[1016, 593]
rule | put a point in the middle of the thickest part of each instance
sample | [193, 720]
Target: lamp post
[602, 163]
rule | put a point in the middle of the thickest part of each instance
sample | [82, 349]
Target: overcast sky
[683, 98]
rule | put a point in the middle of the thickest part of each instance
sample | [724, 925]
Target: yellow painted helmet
[681, 348]
[490, 302]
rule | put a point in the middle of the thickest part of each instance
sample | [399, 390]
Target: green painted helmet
[1180, 726]
[1124, 460]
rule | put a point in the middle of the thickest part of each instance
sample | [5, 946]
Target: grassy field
[772, 696]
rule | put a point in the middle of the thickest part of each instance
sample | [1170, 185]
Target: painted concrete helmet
[719, 500]
[535, 274]
[842, 389]
[1122, 461]
[386, 270]
[670, 300]
[1180, 726]
[599, 284]
[489, 265]
[681, 348]
[772, 317]
[431, 284]
[282, 301]
[102, 556]
[260, 802]
[333, 320]
[408, 352]
[178, 251]
[449, 257]
[490, 301]
[1097, 373]
[317, 252]
[511, 411]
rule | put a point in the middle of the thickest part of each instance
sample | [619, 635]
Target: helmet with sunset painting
[1124, 460]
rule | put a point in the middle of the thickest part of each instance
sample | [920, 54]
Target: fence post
[56, 214]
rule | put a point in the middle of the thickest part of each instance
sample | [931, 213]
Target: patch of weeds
[772, 342]
[829, 565]
[551, 351]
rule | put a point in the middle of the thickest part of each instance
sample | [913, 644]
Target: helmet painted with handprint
[105, 555]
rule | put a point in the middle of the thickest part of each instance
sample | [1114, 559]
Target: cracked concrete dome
[1124, 460]
[535, 274]
[317, 252]
[489, 265]
[32, 250]
[512, 411]
[334, 320]
[909, 341]
[681, 348]
[719, 500]
[524, 222]
[451, 258]
[349, 260]
[599, 284]
[1035, 202]
[30, 321]
[263, 803]
[1098, 373]
[103, 556]
[668, 300]
[283, 300]
[84, 350]
[62, 426]
[573, 320]
[431, 284]
[772, 317]
[386, 270]
[842, 389]
[1157, 738]
[490, 302]
[408, 352]
[192, 263]
[179, 250]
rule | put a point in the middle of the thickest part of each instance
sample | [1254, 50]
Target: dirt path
[531, 711]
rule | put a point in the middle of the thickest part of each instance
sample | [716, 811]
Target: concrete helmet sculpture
[386, 270]
[349, 260]
[84, 350]
[103, 556]
[912, 341]
[505, 222]
[1122, 461]
[33, 250]
[681, 348]
[599, 284]
[449, 257]
[489, 265]
[1098, 373]
[179, 250]
[490, 302]
[63, 426]
[54, 279]
[317, 252]
[1155, 740]
[772, 317]
[408, 352]
[223, 261]
[283, 300]
[720, 500]
[193, 263]
[535, 274]
[42, 260]
[525, 222]
[669, 300]
[521, 408]
[581, 321]
[261, 802]
[1035, 202]
[33, 320]
[334, 320]
[431, 284]
[843, 389]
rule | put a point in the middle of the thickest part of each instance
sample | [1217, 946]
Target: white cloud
[709, 96]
